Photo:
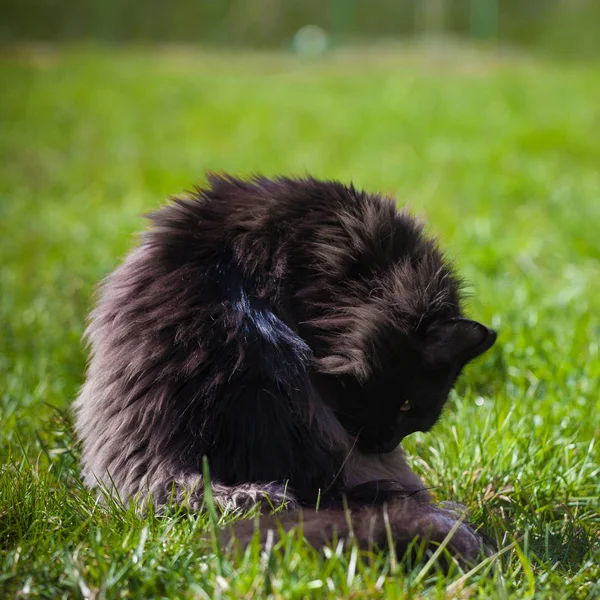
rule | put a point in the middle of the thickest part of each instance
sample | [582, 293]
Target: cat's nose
[386, 447]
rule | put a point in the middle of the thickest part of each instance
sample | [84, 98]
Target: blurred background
[481, 114]
[568, 27]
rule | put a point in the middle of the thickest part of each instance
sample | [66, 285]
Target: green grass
[503, 158]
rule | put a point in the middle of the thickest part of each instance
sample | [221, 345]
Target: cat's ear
[459, 340]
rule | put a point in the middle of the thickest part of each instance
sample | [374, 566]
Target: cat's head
[410, 381]
[407, 383]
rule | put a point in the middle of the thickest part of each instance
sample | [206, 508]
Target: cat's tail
[372, 528]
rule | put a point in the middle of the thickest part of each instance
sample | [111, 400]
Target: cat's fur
[278, 328]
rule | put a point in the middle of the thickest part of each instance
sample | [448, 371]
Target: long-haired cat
[292, 331]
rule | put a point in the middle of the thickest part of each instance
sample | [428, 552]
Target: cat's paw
[459, 511]
[244, 497]
[465, 542]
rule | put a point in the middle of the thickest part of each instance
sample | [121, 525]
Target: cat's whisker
[341, 469]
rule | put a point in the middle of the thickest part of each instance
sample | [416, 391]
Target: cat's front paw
[465, 542]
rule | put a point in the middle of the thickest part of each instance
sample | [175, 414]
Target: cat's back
[228, 208]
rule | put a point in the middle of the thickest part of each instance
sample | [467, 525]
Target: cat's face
[410, 383]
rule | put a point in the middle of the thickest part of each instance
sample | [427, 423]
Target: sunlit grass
[502, 158]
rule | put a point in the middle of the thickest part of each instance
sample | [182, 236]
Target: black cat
[292, 331]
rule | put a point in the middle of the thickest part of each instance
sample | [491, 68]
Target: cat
[292, 331]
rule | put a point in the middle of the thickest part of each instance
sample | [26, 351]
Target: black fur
[276, 327]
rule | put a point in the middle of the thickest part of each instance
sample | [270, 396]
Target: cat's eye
[406, 406]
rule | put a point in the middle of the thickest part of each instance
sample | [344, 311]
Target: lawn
[501, 155]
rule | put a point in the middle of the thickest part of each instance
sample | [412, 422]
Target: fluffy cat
[293, 331]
